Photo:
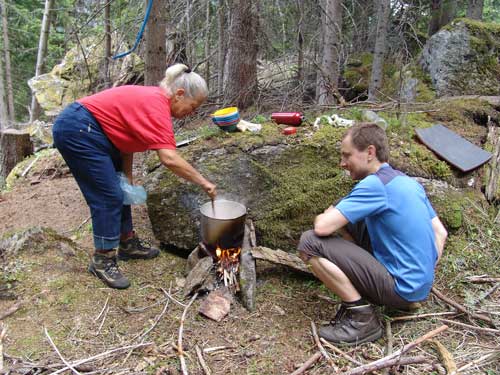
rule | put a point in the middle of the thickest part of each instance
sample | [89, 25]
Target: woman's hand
[210, 189]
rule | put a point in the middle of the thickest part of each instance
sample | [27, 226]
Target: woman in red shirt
[97, 137]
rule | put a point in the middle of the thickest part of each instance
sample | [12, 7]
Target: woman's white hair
[179, 76]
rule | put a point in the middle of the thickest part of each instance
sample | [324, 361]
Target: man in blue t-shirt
[391, 240]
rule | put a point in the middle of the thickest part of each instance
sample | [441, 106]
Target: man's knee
[306, 246]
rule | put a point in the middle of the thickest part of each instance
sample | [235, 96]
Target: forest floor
[62, 302]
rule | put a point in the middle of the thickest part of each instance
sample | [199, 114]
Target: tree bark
[15, 145]
[380, 48]
[241, 88]
[107, 43]
[300, 44]
[475, 9]
[434, 25]
[207, 44]
[8, 71]
[155, 56]
[4, 122]
[42, 53]
[329, 72]
[221, 50]
[448, 12]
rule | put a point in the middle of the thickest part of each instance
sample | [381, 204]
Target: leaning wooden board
[456, 150]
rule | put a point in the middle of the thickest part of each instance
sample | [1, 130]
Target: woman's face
[181, 105]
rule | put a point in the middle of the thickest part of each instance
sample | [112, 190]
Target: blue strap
[139, 34]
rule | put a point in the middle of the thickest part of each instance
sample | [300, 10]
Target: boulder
[78, 75]
[462, 59]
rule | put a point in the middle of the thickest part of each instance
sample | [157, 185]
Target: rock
[77, 76]
[198, 275]
[217, 304]
[462, 59]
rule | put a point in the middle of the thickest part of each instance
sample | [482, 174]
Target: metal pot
[223, 224]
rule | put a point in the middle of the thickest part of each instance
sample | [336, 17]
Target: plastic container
[290, 130]
[370, 116]
[226, 118]
[132, 194]
[288, 118]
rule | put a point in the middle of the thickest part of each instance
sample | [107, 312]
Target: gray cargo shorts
[370, 278]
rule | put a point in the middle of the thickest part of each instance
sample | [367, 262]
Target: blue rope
[139, 34]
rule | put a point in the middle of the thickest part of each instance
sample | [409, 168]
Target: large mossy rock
[80, 74]
[462, 59]
[284, 181]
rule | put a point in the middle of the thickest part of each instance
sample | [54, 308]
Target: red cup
[290, 130]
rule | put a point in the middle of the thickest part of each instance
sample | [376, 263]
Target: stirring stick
[213, 207]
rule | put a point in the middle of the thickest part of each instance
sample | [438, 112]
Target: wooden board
[456, 150]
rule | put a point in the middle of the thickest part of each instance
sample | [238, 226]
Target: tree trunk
[221, 51]
[4, 122]
[8, 71]
[189, 42]
[434, 24]
[448, 12]
[207, 44]
[107, 43]
[42, 53]
[241, 88]
[475, 9]
[300, 44]
[329, 72]
[155, 56]
[362, 12]
[15, 145]
[380, 48]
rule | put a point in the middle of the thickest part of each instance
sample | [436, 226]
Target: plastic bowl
[226, 118]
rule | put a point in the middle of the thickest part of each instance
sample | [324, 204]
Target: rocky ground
[58, 312]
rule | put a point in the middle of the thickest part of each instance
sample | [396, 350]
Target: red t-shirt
[135, 118]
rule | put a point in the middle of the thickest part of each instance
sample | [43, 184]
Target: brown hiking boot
[134, 248]
[353, 325]
[104, 266]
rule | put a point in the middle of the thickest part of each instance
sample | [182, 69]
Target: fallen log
[280, 257]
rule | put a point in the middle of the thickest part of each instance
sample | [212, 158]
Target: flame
[228, 261]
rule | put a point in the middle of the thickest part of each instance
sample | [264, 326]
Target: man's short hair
[368, 133]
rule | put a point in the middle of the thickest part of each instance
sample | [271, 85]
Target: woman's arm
[173, 161]
[127, 162]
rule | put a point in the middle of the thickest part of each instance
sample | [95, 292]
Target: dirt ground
[65, 304]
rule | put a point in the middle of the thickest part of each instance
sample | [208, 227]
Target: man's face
[353, 160]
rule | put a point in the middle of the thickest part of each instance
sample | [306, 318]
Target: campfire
[227, 267]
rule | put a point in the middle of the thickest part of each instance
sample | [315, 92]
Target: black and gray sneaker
[134, 248]
[104, 266]
[353, 325]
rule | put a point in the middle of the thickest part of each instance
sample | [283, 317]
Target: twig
[25, 172]
[217, 348]
[3, 332]
[479, 329]
[99, 356]
[179, 341]
[479, 360]
[11, 310]
[459, 307]
[307, 363]
[487, 293]
[373, 365]
[58, 353]
[398, 361]
[418, 316]
[390, 341]
[481, 279]
[172, 298]
[203, 364]
[321, 348]
[102, 322]
[340, 352]
[103, 308]
[158, 318]
[446, 357]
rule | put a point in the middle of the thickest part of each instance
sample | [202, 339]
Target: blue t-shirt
[398, 218]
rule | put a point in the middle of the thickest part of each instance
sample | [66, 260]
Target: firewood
[278, 256]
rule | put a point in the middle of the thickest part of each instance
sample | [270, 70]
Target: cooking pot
[223, 224]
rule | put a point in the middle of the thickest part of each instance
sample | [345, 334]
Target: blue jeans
[94, 162]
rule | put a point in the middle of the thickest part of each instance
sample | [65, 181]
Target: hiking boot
[353, 325]
[104, 267]
[134, 248]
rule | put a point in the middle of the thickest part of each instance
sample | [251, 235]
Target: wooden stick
[369, 367]
[487, 293]
[217, 348]
[446, 357]
[459, 307]
[179, 341]
[398, 361]
[479, 360]
[101, 355]
[340, 352]
[419, 316]
[390, 342]
[103, 308]
[479, 279]
[479, 329]
[58, 353]
[203, 364]
[321, 348]
[11, 310]
[307, 363]
[172, 298]
[3, 332]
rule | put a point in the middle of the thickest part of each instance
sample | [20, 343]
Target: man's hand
[440, 235]
[210, 189]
